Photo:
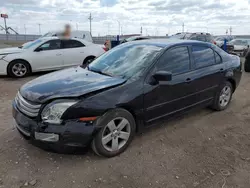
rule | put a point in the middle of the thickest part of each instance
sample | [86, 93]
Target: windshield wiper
[99, 72]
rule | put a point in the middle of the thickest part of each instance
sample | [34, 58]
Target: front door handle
[221, 70]
[188, 80]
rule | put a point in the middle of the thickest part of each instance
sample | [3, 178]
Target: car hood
[72, 82]
[13, 50]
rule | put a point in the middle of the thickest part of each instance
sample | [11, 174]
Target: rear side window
[201, 38]
[217, 58]
[175, 60]
[203, 56]
[72, 44]
[209, 38]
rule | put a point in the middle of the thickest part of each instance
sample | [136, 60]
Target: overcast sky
[157, 17]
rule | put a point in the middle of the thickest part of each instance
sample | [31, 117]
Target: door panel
[73, 52]
[209, 71]
[167, 97]
[48, 57]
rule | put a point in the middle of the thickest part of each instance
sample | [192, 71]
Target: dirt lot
[202, 149]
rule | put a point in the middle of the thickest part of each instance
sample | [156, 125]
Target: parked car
[134, 38]
[204, 37]
[240, 46]
[128, 89]
[47, 54]
[221, 39]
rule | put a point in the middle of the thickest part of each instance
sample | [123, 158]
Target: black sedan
[126, 90]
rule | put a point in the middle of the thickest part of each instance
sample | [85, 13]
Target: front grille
[26, 107]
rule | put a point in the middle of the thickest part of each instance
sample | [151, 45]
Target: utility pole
[39, 28]
[77, 26]
[230, 30]
[183, 27]
[90, 22]
[141, 30]
[119, 24]
[24, 29]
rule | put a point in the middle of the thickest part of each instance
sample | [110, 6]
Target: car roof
[169, 42]
[73, 38]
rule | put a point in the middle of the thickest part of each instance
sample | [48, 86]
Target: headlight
[53, 112]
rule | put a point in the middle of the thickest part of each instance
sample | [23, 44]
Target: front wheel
[223, 96]
[116, 134]
[18, 69]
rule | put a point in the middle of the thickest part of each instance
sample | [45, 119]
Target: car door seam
[210, 98]
[164, 103]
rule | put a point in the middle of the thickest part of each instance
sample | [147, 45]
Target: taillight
[215, 42]
[105, 49]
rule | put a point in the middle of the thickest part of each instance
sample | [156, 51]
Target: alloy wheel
[116, 134]
[19, 69]
[225, 96]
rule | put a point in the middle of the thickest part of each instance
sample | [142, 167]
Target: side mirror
[38, 49]
[163, 76]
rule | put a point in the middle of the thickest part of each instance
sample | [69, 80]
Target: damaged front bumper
[71, 133]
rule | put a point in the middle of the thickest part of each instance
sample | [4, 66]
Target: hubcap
[116, 134]
[19, 69]
[225, 96]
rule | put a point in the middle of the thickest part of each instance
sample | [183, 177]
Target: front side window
[175, 60]
[51, 45]
[128, 60]
[203, 56]
[72, 44]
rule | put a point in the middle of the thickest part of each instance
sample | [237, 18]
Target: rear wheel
[87, 61]
[116, 134]
[247, 65]
[18, 69]
[223, 96]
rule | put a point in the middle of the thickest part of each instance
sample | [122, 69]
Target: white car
[46, 54]
[240, 46]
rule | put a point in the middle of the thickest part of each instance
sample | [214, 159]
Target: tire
[118, 127]
[87, 61]
[223, 96]
[247, 65]
[22, 69]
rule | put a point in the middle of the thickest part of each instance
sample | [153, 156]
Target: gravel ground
[202, 149]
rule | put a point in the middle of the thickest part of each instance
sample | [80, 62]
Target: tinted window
[51, 45]
[209, 38]
[175, 60]
[72, 44]
[201, 38]
[217, 58]
[203, 56]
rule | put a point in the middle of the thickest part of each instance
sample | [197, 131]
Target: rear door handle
[221, 70]
[58, 54]
[188, 80]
